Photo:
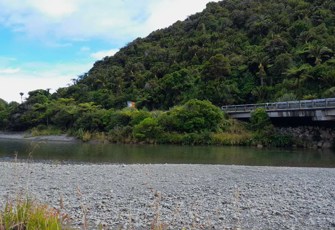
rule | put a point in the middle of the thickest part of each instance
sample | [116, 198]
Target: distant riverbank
[190, 196]
[27, 136]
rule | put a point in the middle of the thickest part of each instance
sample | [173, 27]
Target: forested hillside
[235, 51]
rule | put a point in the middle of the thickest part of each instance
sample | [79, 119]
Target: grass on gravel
[25, 214]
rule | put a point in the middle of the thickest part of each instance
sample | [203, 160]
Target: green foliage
[329, 92]
[193, 116]
[43, 130]
[138, 116]
[261, 125]
[148, 129]
[117, 119]
[232, 132]
[227, 138]
[26, 214]
[259, 119]
[89, 118]
[121, 134]
[4, 113]
[287, 97]
[280, 140]
[171, 138]
[226, 54]
[203, 138]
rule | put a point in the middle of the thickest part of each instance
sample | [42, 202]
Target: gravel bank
[25, 136]
[190, 196]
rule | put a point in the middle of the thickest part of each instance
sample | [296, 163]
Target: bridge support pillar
[321, 115]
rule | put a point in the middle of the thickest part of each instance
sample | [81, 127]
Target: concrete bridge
[316, 110]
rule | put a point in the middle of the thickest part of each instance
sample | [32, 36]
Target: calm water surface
[133, 154]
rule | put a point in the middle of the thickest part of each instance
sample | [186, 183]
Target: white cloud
[55, 8]
[104, 53]
[85, 49]
[58, 44]
[9, 91]
[47, 76]
[87, 19]
[166, 12]
[9, 70]
[73, 19]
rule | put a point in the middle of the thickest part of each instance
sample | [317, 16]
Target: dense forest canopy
[235, 51]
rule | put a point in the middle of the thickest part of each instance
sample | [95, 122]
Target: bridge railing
[286, 105]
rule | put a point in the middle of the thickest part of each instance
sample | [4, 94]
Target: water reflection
[134, 154]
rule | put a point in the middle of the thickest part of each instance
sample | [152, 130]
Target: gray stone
[190, 196]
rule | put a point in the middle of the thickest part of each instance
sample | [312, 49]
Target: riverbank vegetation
[194, 123]
[27, 214]
[235, 51]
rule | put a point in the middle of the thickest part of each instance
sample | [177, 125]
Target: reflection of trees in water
[143, 154]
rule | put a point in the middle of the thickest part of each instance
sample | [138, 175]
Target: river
[154, 154]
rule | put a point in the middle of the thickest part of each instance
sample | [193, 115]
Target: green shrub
[117, 119]
[65, 116]
[261, 125]
[43, 130]
[148, 129]
[138, 115]
[120, 134]
[171, 138]
[259, 119]
[90, 120]
[203, 138]
[231, 138]
[194, 116]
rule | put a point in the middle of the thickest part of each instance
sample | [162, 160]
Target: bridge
[317, 109]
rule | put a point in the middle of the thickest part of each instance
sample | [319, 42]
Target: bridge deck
[319, 109]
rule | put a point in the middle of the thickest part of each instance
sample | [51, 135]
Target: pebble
[178, 196]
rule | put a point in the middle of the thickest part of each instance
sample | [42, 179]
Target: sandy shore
[190, 196]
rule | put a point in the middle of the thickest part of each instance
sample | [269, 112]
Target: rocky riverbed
[316, 137]
[177, 196]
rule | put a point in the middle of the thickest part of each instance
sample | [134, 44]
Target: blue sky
[46, 43]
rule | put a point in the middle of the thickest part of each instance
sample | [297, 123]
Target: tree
[261, 125]
[316, 54]
[261, 73]
[4, 113]
[21, 94]
[300, 74]
[218, 66]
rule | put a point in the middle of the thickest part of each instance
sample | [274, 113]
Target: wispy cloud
[9, 70]
[54, 8]
[104, 53]
[85, 49]
[74, 19]
[87, 19]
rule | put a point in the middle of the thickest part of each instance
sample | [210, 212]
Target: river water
[171, 154]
